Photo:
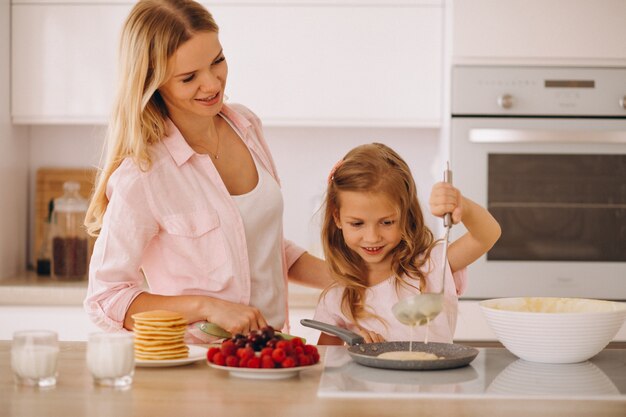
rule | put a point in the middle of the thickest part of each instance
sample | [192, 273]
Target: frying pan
[453, 355]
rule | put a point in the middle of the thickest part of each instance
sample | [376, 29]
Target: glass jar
[70, 242]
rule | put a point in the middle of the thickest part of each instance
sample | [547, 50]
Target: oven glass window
[558, 207]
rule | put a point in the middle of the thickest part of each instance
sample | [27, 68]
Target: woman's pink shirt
[176, 224]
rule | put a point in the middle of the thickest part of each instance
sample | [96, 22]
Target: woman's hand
[444, 198]
[234, 318]
[371, 337]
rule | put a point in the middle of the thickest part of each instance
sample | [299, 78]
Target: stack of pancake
[159, 335]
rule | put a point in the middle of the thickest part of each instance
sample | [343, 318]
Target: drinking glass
[111, 358]
[34, 356]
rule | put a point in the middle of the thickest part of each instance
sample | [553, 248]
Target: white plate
[262, 373]
[196, 353]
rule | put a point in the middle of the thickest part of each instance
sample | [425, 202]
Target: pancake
[159, 335]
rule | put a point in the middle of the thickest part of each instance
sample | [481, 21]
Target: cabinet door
[64, 61]
[371, 65]
[376, 64]
[540, 31]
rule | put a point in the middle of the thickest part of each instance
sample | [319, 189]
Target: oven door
[558, 189]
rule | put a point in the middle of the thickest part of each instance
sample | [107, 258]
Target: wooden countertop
[197, 390]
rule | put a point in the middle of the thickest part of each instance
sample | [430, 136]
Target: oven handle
[546, 136]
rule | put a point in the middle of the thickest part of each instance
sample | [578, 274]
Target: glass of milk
[34, 356]
[111, 359]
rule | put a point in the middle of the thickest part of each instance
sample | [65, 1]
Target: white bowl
[554, 330]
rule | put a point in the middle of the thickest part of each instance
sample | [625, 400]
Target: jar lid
[71, 201]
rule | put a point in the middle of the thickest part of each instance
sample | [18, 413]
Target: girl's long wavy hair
[153, 31]
[374, 168]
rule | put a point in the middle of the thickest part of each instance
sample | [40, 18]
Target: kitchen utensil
[452, 355]
[554, 330]
[422, 308]
[215, 330]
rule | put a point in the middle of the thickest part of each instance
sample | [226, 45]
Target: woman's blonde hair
[153, 31]
[374, 168]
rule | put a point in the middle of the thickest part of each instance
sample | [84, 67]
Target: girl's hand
[371, 337]
[444, 198]
[234, 318]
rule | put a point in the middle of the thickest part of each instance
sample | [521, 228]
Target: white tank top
[262, 213]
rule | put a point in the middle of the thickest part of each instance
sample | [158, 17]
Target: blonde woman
[188, 200]
[380, 250]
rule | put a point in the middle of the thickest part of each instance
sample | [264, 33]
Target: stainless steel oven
[544, 148]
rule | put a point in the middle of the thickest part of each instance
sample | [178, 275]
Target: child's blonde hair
[374, 168]
[153, 31]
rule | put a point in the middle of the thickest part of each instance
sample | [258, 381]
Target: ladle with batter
[422, 308]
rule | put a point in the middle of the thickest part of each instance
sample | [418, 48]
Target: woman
[188, 199]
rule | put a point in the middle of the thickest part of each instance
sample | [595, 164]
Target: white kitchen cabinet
[295, 63]
[63, 61]
[565, 32]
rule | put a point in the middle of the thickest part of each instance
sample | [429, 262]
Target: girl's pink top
[381, 298]
[178, 225]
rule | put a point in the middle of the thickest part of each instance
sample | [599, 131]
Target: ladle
[422, 308]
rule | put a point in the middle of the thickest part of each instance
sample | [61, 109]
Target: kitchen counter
[199, 390]
[30, 289]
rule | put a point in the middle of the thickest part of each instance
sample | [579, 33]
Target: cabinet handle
[546, 136]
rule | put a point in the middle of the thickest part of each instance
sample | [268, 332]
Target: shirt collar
[178, 147]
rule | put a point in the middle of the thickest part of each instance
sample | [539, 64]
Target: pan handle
[347, 336]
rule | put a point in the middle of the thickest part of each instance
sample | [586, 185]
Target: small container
[34, 356]
[111, 359]
[44, 254]
[70, 242]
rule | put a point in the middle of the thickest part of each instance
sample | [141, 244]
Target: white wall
[304, 156]
[13, 166]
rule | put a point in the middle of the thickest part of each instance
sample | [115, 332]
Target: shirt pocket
[196, 238]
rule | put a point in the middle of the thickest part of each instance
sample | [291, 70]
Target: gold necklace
[215, 154]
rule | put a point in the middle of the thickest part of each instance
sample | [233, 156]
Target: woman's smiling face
[198, 77]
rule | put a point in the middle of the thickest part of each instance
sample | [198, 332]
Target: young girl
[380, 251]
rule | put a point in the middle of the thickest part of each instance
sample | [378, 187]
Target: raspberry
[296, 341]
[309, 349]
[211, 353]
[267, 362]
[298, 350]
[315, 356]
[305, 360]
[288, 362]
[219, 359]
[245, 353]
[232, 361]
[253, 362]
[266, 351]
[279, 355]
[228, 347]
[284, 345]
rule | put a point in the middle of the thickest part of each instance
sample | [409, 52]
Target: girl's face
[198, 77]
[371, 226]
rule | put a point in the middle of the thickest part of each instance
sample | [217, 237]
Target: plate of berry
[263, 354]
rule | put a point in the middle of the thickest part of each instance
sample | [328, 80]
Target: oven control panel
[538, 91]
